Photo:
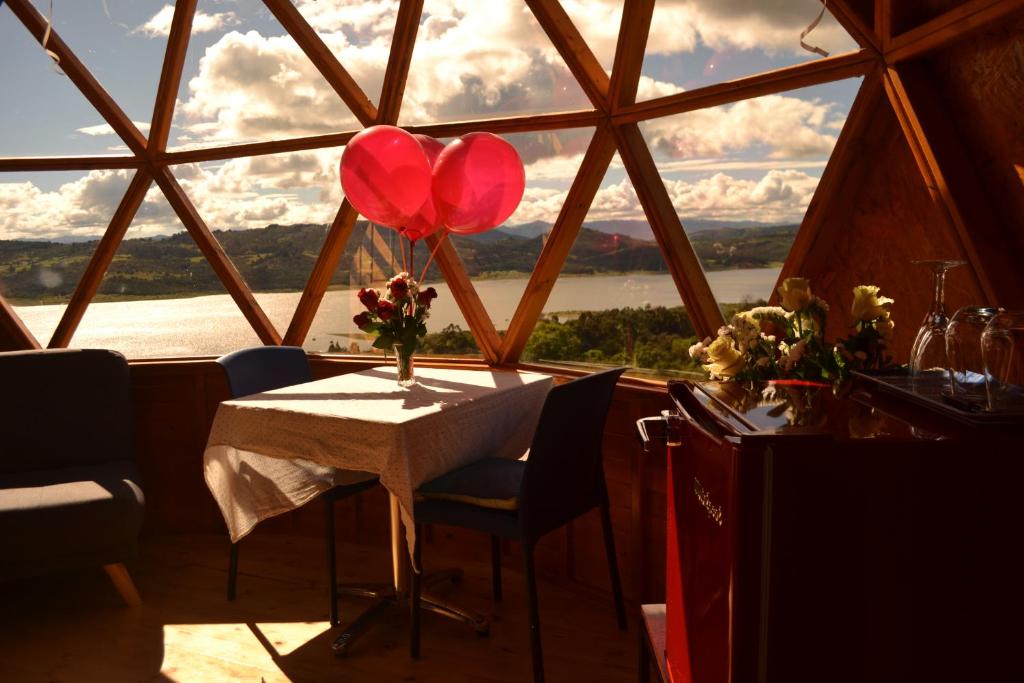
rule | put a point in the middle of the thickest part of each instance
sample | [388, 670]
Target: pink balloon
[385, 174]
[426, 220]
[478, 183]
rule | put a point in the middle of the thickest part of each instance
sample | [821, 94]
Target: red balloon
[385, 174]
[478, 183]
[426, 220]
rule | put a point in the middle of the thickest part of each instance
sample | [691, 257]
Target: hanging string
[814, 24]
[431, 259]
[46, 38]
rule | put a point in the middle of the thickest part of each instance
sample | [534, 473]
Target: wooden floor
[74, 628]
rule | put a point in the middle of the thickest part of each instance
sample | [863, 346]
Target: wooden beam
[787, 78]
[27, 164]
[558, 244]
[252, 149]
[320, 276]
[950, 26]
[574, 50]
[14, 333]
[462, 289]
[935, 180]
[214, 253]
[680, 257]
[170, 74]
[101, 259]
[407, 24]
[629, 52]
[847, 152]
[850, 20]
[883, 23]
[324, 60]
[80, 76]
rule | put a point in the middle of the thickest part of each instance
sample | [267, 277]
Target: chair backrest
[63, 408]
[262, 368]
[564, 474]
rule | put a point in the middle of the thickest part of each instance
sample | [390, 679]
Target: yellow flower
[725, 359]
[885, 327]
[867, 305]
[795, 293]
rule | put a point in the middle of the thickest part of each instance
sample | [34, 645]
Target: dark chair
[263, 368]
[70, 494]
[562, 478]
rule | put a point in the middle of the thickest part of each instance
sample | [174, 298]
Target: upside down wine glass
[929, 350]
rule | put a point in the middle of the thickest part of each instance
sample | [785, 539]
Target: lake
[213, 325]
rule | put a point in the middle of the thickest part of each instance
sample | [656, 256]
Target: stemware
[929, 350]
[1002, 345]
[963, 351]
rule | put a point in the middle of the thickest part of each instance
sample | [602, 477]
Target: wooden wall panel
[177, 400]
[883, 219]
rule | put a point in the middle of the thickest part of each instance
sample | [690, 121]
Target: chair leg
[531, 590]
[232, 571]
[332, 568]
[496, 567]
[122, 581]
[613, 565]
[416, 584]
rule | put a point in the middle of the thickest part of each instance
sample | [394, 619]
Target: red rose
[399, 288]
[362, 320]
[369, 298]
[385, 309]
[426, 296]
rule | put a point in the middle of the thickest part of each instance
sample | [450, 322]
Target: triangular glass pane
[372, 255]
[500, 261]
[246, 80]
[598, 23]
[271, 214]
[43, 113]
[477, 60]
[50, 228]
[693, 43]
[741, 177]
[614, 302]
[160, 297]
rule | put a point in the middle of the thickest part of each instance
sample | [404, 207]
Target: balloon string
[803, 34]
[412, 257]
[431, 259]
[46, 38]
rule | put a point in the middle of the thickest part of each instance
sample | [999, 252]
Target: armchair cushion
[57, 519]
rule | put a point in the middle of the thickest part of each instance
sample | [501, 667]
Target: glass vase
[404, 362]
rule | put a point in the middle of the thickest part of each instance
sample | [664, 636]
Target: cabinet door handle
[713, 511]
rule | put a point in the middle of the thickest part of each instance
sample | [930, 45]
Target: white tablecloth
[273, 452]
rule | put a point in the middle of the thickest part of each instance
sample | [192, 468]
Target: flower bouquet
[787, 341]
[397, 317]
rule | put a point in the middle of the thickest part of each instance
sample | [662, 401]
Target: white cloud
[105, 129]
[159, 24]
[80, 208]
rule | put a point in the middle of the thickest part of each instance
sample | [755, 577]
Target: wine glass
[963, 350]
[1002, 345]
[929, 350]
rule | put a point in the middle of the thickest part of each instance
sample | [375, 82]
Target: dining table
[275, 451]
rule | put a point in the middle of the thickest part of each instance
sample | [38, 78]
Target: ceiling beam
[629, 52]
[679, 255]
[407, 24]
[935, 180]
[480, 324]
[81, 76]
[96, 163]
[324, 60]
[170, 74]
[851, 20]
[948, 27]
[819, 71]
[574, 50]
[214, 253]
[91, 279]
[558, 244]
[14, 334]
[883, 23]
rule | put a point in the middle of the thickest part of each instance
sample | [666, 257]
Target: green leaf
[384, 342]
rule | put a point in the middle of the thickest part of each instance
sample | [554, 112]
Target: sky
[246, 80]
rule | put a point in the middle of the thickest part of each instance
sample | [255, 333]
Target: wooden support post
[573, 49]
[629, 52]
[170, 74]
[14, 334]
[854, 24]
[407, 24]
[122, 581]
[948, 27]
[97, 163]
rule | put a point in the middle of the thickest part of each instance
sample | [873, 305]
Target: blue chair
[263, 368]
[562, 478]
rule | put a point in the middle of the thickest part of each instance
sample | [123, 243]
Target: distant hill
[280, 258]
[639, 229]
